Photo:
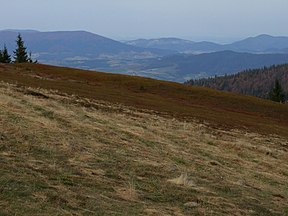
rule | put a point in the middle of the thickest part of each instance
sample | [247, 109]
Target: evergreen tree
[20, 53]
[277, 93]
[6, 58]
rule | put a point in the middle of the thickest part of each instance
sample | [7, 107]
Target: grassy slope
[90, 143]
[58, 157]
[167, 98]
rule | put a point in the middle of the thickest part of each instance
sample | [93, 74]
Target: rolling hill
[259, 44]
[257, 82]
[176, 44]
[63, 46]
[75, 142]
[167, 98]
[183, 67]
[81, 49]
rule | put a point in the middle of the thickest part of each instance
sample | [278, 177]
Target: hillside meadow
[169, 99]
[76, 142]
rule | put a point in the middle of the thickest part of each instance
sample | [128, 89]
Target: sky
[214, 20]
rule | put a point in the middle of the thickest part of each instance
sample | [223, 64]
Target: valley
[171, 59]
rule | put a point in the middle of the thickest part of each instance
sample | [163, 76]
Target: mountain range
[165, 58]
[63, 45]
[259, 44]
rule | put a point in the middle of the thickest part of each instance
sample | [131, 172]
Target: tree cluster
[277, 93]
[256, 82]
[20, 53]
[4, 56]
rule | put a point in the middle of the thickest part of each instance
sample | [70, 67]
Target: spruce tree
[6, 58]
[20, 54]
[277, 93]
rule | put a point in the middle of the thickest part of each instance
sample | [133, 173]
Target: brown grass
[187, 103]
[183, 179]
[66, 155]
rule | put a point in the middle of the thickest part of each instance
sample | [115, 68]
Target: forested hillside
[257, 82]
[182, 67]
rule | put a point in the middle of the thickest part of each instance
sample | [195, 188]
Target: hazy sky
[217, 20]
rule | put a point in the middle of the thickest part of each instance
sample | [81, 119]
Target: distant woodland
[256, 82]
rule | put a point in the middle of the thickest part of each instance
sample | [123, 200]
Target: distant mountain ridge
[175, 44]
[259, 44]
[56, 46]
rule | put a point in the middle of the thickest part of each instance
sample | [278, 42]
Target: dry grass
[183, 179]
[66, 155]
[168, 99]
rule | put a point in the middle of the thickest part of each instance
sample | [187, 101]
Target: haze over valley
[164, 58]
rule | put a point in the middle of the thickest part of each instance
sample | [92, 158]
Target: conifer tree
[6, 58]
[20, 54]
[277, 93]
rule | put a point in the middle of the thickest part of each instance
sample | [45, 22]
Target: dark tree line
[20, 53]
[268, 82]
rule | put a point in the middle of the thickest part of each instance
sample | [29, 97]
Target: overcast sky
[216, 20]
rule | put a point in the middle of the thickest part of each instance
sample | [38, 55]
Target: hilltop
[90, 143]
[257, 82]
